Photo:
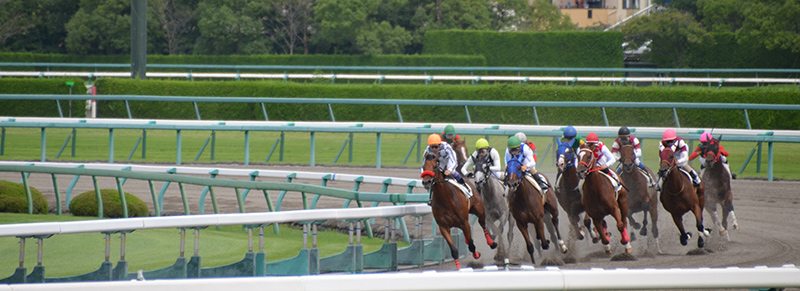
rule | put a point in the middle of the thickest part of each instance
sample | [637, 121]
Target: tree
[672, 32]
[542, 15]
[721, 15]
[381, 38]
[287, 23]
[772, 23]
[13, 19]
[48, 32]
[450, 14]
[175, 18]
[229, 27]
[100, 27]
[338, 22]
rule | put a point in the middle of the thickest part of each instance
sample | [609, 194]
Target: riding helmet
[592, 138]
[521, 136]
[669, 134]
[513, 142]
[624, 131]
[449, 129]
[570, 132]
[482, 143]
[434, 139]
[705, 137]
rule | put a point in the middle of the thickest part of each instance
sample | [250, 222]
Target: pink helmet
[669, 134]
[706, 137]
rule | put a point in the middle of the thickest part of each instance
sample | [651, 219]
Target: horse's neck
[444, 193]
[675, 180]
[570, 177]
[492, 189]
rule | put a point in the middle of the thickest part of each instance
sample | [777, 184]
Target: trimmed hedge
[85, 204]
[40, 86]
[496, 115]
[14, 200]
[571, 49]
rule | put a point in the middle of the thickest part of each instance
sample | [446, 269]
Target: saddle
[464, 189]
[688, 175]
[536, 185]
[614, 183]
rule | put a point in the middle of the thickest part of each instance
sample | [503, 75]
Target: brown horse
[679, 196]
[600, 199]
[717, 180]
[567, 188]
[528, 206]
[460, 147]
[451, 208]
[641, 197]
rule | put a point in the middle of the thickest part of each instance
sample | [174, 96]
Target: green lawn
[74, 254]
[92, 145]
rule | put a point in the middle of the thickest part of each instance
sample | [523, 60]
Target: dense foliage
[85, 204]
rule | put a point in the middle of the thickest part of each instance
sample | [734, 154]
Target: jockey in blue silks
[524, 155]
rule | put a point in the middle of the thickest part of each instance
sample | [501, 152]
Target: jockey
[624, 137]
[571, 136]
[521, 152]
[447, 157]
[671, 140]
[482, 149]
[449, 135]
[706, 138]
[603, 156]
[531, 145]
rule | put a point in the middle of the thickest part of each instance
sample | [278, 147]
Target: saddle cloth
[464, 189]
[614, 183]
[688, 175]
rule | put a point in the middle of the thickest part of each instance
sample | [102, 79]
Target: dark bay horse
[679, 196]
[494, 202]
[600, 199]
[567, 188]
[641, 197]
[717, 180]
[527, 205]
[451, 208]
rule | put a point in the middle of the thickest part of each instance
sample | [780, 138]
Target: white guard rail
[787, 276]
[426, 78]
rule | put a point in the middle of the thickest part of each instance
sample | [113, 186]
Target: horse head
[460, 147]
[513, 174]
[710, 152]
[667, 163]
[481, 170]
[627, 158]
[586, 161]
[430, 171]
[565, 157]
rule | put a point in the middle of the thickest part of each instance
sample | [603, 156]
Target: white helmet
[521, 136]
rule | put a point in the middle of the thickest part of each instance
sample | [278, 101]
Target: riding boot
[542, 183]
[430, 196]
[695, 178]
[650, 181]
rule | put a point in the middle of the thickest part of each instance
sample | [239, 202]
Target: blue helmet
[570, 132]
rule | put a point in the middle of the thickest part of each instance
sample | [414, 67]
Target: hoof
[563, 247]
[546, 245]
[735, 226]
[595, 240]
[643, 232]
[637, 225]
[607, 250]
[706, 232]
[723, 232]
[476, 255]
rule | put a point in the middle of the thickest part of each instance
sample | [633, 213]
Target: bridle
[590, 166]
[430, 182]
[515, 169]
[629, 159]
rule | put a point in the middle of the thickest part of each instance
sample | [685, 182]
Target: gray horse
[493, 194]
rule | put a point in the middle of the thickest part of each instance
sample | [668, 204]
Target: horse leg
[645, 210]
[445, 231]
[712, 211]
[523, 228]
[728, 207]
[698, 216]
[587, 222]
[678, 219]
[601, 227]
[553, 226]
[654, 218]
[538, 223]
[479, 211]
[623, 230]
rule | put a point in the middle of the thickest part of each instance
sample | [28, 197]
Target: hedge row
[578, 49]
[726, 52]
[40, 86]
[501, 115]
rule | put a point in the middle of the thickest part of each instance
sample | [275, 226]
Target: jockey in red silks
[705, 139]
[603, 157]
[624, 136]
[670, 139]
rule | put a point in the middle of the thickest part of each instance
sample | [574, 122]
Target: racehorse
[567, 188]
[527, 205]
[460, 147]
[600, 199]
[679, 196]
[494, 202]
[717, 180]
[451, 208]
[641, 197]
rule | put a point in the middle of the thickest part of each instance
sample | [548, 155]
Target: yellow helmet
[434, 139]
[482, 144]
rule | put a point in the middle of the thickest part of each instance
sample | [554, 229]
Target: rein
[672, 165]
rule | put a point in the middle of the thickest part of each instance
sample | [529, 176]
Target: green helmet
[449, 129]
[513, 142]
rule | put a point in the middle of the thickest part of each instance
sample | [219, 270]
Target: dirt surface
[767, 214]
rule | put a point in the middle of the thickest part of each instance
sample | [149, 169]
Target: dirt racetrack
[768, 214]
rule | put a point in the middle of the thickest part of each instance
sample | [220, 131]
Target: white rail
[787, 276]
[377, 77]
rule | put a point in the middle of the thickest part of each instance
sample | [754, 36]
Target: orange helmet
[434, 139]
